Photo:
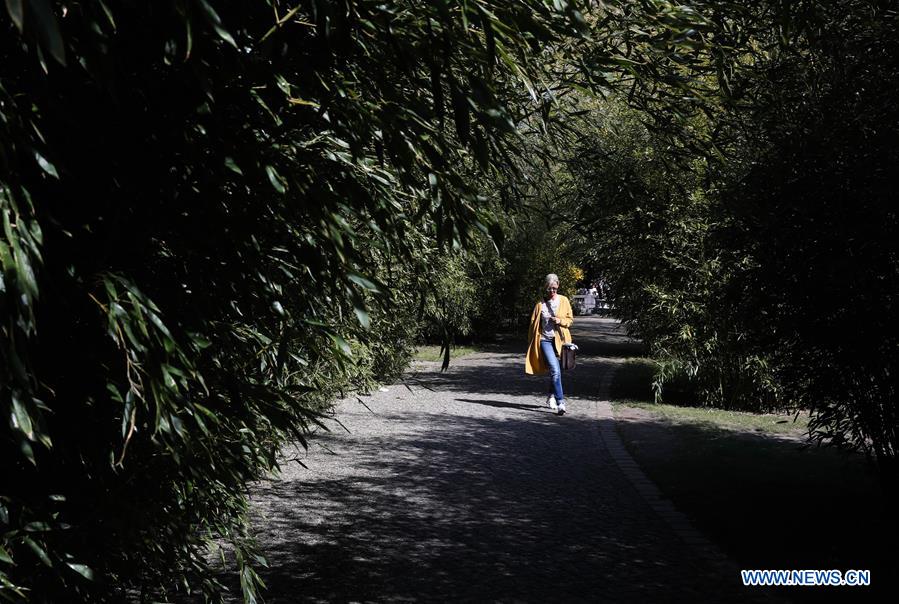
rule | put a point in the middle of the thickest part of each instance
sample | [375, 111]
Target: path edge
[646, 488]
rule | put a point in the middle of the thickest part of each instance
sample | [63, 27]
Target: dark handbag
[569, 355]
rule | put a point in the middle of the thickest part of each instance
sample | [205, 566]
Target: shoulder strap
[549, 307]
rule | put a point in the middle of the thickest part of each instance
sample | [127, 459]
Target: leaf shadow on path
[503, 404]
[471, 490]
[475, 509]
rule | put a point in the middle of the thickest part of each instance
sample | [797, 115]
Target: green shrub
[205, 208]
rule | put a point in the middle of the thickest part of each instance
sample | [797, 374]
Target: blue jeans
[548, 350]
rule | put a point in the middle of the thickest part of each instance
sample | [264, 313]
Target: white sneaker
[551, 401]
[561, 408]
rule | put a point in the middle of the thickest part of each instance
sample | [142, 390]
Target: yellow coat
[534, 361]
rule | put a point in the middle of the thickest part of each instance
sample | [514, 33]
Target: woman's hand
[557, 320]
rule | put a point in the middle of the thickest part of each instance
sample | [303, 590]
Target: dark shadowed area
[464, 487]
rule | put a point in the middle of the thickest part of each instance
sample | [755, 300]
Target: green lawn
[432, 353]
[751, 483]
[632, 384]
[780, 424]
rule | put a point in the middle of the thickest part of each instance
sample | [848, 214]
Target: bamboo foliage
[205, 206]
[218, 216]
[745, 190]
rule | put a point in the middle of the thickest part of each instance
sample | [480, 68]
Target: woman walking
[550, 323]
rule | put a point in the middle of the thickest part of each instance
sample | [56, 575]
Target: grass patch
[632, 386]
[786, 424]
[769, 502]
[432, 353]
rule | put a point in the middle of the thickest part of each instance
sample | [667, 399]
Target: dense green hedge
[217, 216]
[748, 211]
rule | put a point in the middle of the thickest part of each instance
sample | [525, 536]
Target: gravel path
[463, 487]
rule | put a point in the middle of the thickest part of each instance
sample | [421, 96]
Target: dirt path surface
[464, 487]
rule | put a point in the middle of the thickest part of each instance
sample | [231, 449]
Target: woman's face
[551, 289]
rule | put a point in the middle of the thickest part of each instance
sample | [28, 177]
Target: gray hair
[552, 278]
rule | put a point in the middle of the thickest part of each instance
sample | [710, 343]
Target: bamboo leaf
[363, 316]
[82, 569]
[21, 419]
[16, 12]
[48, 29]
[45, 165]
[342, 345]
[275, 179]
[364, 282]
[38, 550]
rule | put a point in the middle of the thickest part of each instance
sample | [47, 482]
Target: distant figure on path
[550, 323]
